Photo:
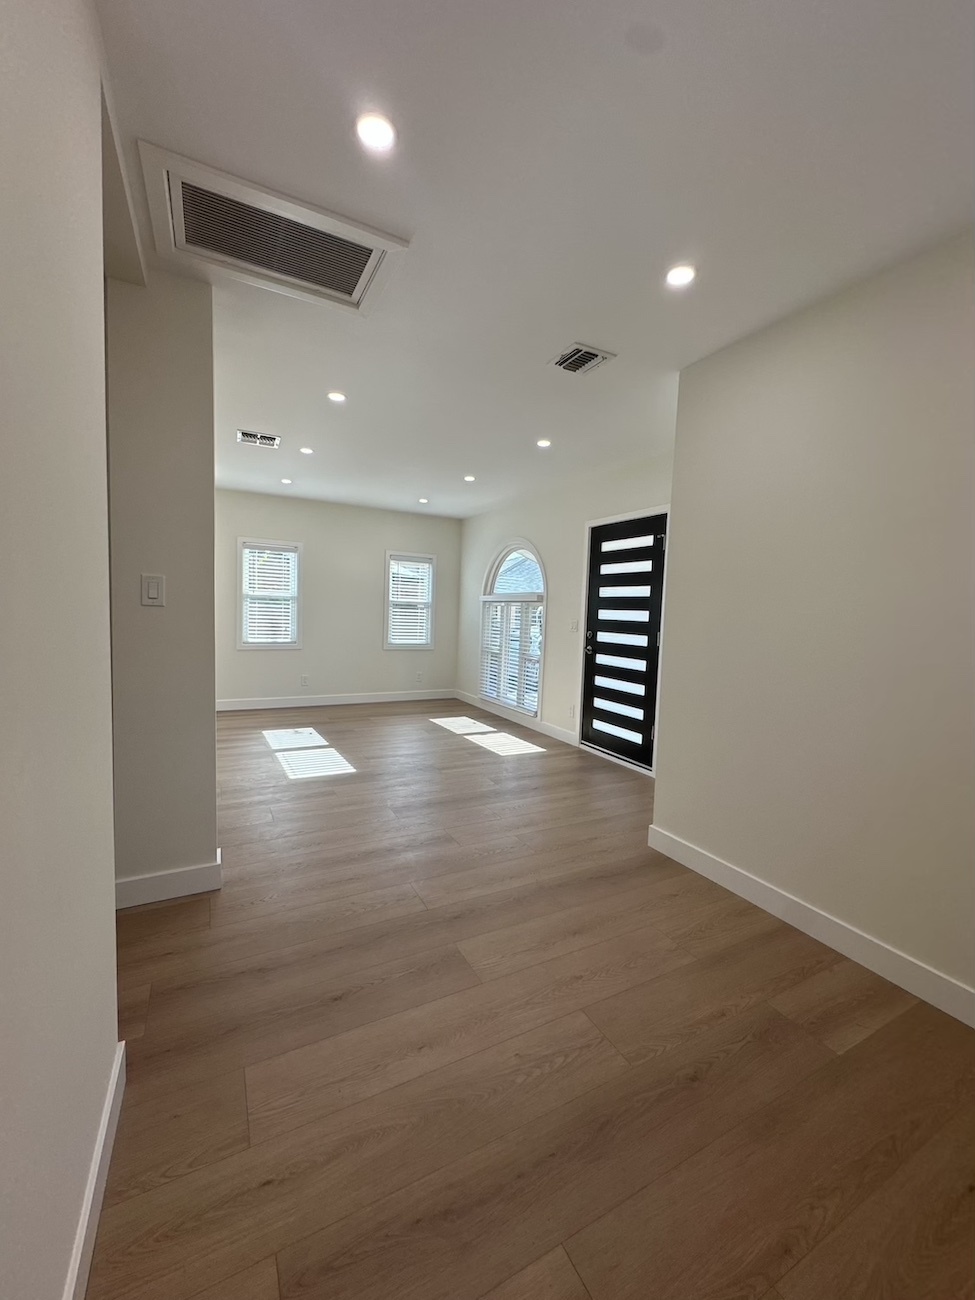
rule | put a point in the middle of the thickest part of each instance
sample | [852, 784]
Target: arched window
[511, 629]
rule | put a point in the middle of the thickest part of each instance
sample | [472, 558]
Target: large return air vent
[205, 217]
[580, 358]
[258, 439]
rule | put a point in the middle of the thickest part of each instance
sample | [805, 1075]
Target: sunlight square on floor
[462, 726]
[302, 763]
[295, 738]
[500, 742]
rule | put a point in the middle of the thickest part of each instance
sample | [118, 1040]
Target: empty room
[488, 683]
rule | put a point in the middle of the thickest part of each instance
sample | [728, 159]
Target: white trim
[305, 701]
[923, 981]
[615, 758]
[432, 561]
[520, 719]
[256, 543]
[79, 1266]
[157, 886]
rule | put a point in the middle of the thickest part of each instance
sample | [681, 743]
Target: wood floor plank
[133, 1008]
[166, 1137]
[647, 1022]
[165, 955]
[464, 1228]
[843, 1004]
[257, 1283]
[914, 1237]
[191, 1039]
[501, 952]
[136, 925]
[734, 1218]
[305, 1085]
[550, 1278]
[283, 1189]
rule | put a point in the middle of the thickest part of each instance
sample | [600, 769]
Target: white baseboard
[157, 886]
[84, 1242]
[923, 981]
[308, 701]
[519, 718]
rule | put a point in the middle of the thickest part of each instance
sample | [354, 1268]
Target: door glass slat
[617, 684]
[628, 593]
[621, 661]
[627, 566]
[627, 543]
[635, 736]
[611, 706]
[608, 615]
[623, 638]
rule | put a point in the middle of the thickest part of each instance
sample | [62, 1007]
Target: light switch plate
[153, 589]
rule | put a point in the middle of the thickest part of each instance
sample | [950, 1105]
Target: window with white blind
[409, 601]
[512, 617]
[268, 615]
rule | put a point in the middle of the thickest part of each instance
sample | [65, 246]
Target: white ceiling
[554, 158]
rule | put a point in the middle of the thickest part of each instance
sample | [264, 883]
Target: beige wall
[816, 717]
[343, 563]
[160, 420]
[554, 522]
[57, 1006]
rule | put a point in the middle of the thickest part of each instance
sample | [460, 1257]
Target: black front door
[619, 688]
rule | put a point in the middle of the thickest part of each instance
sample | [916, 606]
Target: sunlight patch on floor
[462, 726]
[296, 738]
[500, 742]
[300, 763]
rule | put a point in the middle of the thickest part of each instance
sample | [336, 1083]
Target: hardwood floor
[451, 1031]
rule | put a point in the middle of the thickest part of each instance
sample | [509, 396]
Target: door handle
[588, 649]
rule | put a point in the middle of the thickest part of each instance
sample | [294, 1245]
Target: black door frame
[590, 525]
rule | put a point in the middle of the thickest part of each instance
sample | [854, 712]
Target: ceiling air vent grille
[210, 222]
[219, 224]
[580, 358]
[258, 439]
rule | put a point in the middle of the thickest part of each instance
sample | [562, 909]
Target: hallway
[451, 1030]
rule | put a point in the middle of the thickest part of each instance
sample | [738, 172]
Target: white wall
[554, 522]
[342, 589]
[57, 944]
[160, 426]
[817, 709]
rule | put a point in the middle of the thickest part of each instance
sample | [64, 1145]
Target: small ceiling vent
[258, 439]
[581, 357]
[203, 216]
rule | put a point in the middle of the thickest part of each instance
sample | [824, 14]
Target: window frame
[261, 543]
[387, 603]
[524, 598]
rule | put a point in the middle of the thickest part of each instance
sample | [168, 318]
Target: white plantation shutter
[409, 602]
[269, 594]
[511, 652]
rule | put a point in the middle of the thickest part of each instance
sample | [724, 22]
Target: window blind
[409, 601]
[511, 652]
[269, 597]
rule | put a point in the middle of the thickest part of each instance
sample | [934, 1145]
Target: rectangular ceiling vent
[215, 221]
[580, 358]
[258, 439]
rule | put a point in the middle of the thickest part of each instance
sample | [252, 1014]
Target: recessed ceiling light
[544, 442]
[679, 277]
[424, 501]
[286, 480]
[306, 451]
[376, 132]
[336, 397]
[468, 478]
